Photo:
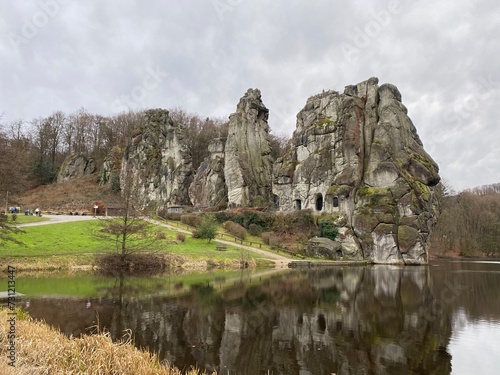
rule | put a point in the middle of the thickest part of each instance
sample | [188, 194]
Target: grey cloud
[90, 54]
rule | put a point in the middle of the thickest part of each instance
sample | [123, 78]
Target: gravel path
[279, 260]
[57, 219]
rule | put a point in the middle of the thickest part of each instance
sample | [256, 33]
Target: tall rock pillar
[158, 162]
[248, 162]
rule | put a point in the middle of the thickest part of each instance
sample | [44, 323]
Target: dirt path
[280, 261]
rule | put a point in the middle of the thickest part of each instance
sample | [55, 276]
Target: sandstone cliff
[357, 156]
[74, 166]
[209, 185]
[248, 162]
[158, 162]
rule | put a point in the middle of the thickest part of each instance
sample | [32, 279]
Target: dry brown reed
[42, 350]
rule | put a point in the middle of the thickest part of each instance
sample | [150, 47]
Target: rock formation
[74, 166]
[322, 247]
[158, 164]
[357, 156]
[248, 162]
[110, 171]
[209, 185]
[106, 170]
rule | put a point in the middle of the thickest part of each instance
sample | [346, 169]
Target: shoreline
[82, 263]
[85, 263]
[177, 261]
[32, 350]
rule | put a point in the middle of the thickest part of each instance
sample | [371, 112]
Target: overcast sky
[202, 55]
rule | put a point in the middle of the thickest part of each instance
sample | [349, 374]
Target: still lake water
[438, 319]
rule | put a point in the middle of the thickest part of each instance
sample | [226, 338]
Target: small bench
[221, 248]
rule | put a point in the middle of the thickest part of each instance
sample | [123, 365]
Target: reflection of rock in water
[345, 321]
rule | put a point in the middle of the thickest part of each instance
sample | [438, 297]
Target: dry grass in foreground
[41, 349]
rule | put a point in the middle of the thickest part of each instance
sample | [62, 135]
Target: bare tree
[5, 170]
[46, 137]
[118, 130]
[68, 135]
[80, 123]
[280, 144]
[468, 225]
[201, 132]
[130, 232]
[16, 146]
[54, 127]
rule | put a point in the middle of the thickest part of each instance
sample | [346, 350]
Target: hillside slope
[79, 194]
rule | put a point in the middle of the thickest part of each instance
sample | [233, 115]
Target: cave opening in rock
[335, 201]
[321, 323]
[276, 200]
[319, 202]
[298, 204]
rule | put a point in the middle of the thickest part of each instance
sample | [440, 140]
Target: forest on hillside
[32, 151]
[469, 224]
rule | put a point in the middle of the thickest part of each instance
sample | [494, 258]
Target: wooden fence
[231, 238]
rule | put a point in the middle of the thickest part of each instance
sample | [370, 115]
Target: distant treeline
[31, 152]
[485, 189]
[469, 224]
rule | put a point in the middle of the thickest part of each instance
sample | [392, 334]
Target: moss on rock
[407, 236]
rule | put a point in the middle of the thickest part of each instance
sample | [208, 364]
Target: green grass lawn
[56, 239]
[26, 219]
[78, 238]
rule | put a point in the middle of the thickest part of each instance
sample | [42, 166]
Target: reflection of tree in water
[481, 299]
[346, 320]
